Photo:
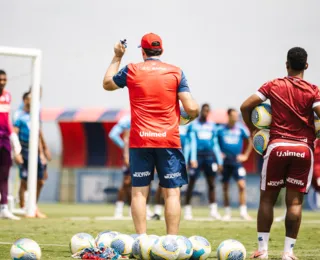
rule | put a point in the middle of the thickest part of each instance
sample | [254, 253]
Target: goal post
[36, 56]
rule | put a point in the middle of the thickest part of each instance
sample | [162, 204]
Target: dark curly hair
[297, 58]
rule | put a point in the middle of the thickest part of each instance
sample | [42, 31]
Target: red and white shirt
[292, 102]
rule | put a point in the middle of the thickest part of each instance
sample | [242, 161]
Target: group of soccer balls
[143, 247]
[261, 117]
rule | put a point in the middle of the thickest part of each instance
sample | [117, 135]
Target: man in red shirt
[155, 89]
[288, 160]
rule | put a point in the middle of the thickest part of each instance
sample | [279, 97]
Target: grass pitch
[53, 234]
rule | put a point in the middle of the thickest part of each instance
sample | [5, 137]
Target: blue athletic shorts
[206, 163]
[236, 171]
[169, 163]
[23, 169]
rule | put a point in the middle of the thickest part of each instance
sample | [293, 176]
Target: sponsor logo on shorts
[152, 134]
[289, 153]
[141, 174]
[275, 183]
[295, 181]
[172, 175]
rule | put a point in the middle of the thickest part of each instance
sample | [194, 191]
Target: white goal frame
[36, 56]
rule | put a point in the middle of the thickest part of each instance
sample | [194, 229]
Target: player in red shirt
[288, 160]
[6, 135]
[155, 89]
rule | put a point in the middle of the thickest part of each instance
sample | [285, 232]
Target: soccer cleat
[226, 217]
[260, 254]
[280, 219]
[118, 215]
[6, 214]
[155, 217]
[39, 214]
[246, 217]
[289, 256]
[215, 215]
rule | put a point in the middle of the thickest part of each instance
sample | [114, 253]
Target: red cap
[151, 41]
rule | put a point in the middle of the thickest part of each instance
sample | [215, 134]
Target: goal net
[35, 55]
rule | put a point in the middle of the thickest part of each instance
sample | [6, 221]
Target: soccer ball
[184, 117]
[81, 241]
[141, 248]
[122, 244]
[25, 248]
[261, 140]
[165, 247]
[104, 238]
[317, 126]
[185, 247]
[231, 250]
[201, 248]
[261, 116]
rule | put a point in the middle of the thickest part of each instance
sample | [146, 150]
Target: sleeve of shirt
[263, 92]
[316, 101]
[245, 132]
[17, 123]
[121, 77]
[183, 85]
[114, 135]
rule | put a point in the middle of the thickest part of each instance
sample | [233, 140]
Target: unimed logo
[289, 153]
[152, 134]
[275, 183]
[172, 175]
[141, 174]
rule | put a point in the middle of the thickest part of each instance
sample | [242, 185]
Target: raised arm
[108, 82]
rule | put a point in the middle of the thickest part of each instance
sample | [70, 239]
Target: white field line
[199, 219]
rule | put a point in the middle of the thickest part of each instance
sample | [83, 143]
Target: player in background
[206, 156]
[22, 129]
[45, 157]
[154, 133]
[288, 160]
[231, 137]
[7, 137]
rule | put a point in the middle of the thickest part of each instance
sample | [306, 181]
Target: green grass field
[53, 234]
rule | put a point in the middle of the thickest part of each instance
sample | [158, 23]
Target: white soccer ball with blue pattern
[261, 116]
[231, 250]
[81, 241]
[104, 238]
[122, 244]
[185, 248]
[141, 248]
[184, 117]
[25, 249]
[201, 248]
[165, 247]
[261, 140]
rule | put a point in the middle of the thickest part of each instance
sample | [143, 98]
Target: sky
[227, 49]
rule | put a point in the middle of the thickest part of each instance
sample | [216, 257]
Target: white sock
[227, 211]
[188, 209]
[263, 240]
[243, 210]
[213, 207]
[4, 207]
[289, 244]
[119, 206]
[158, 209]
